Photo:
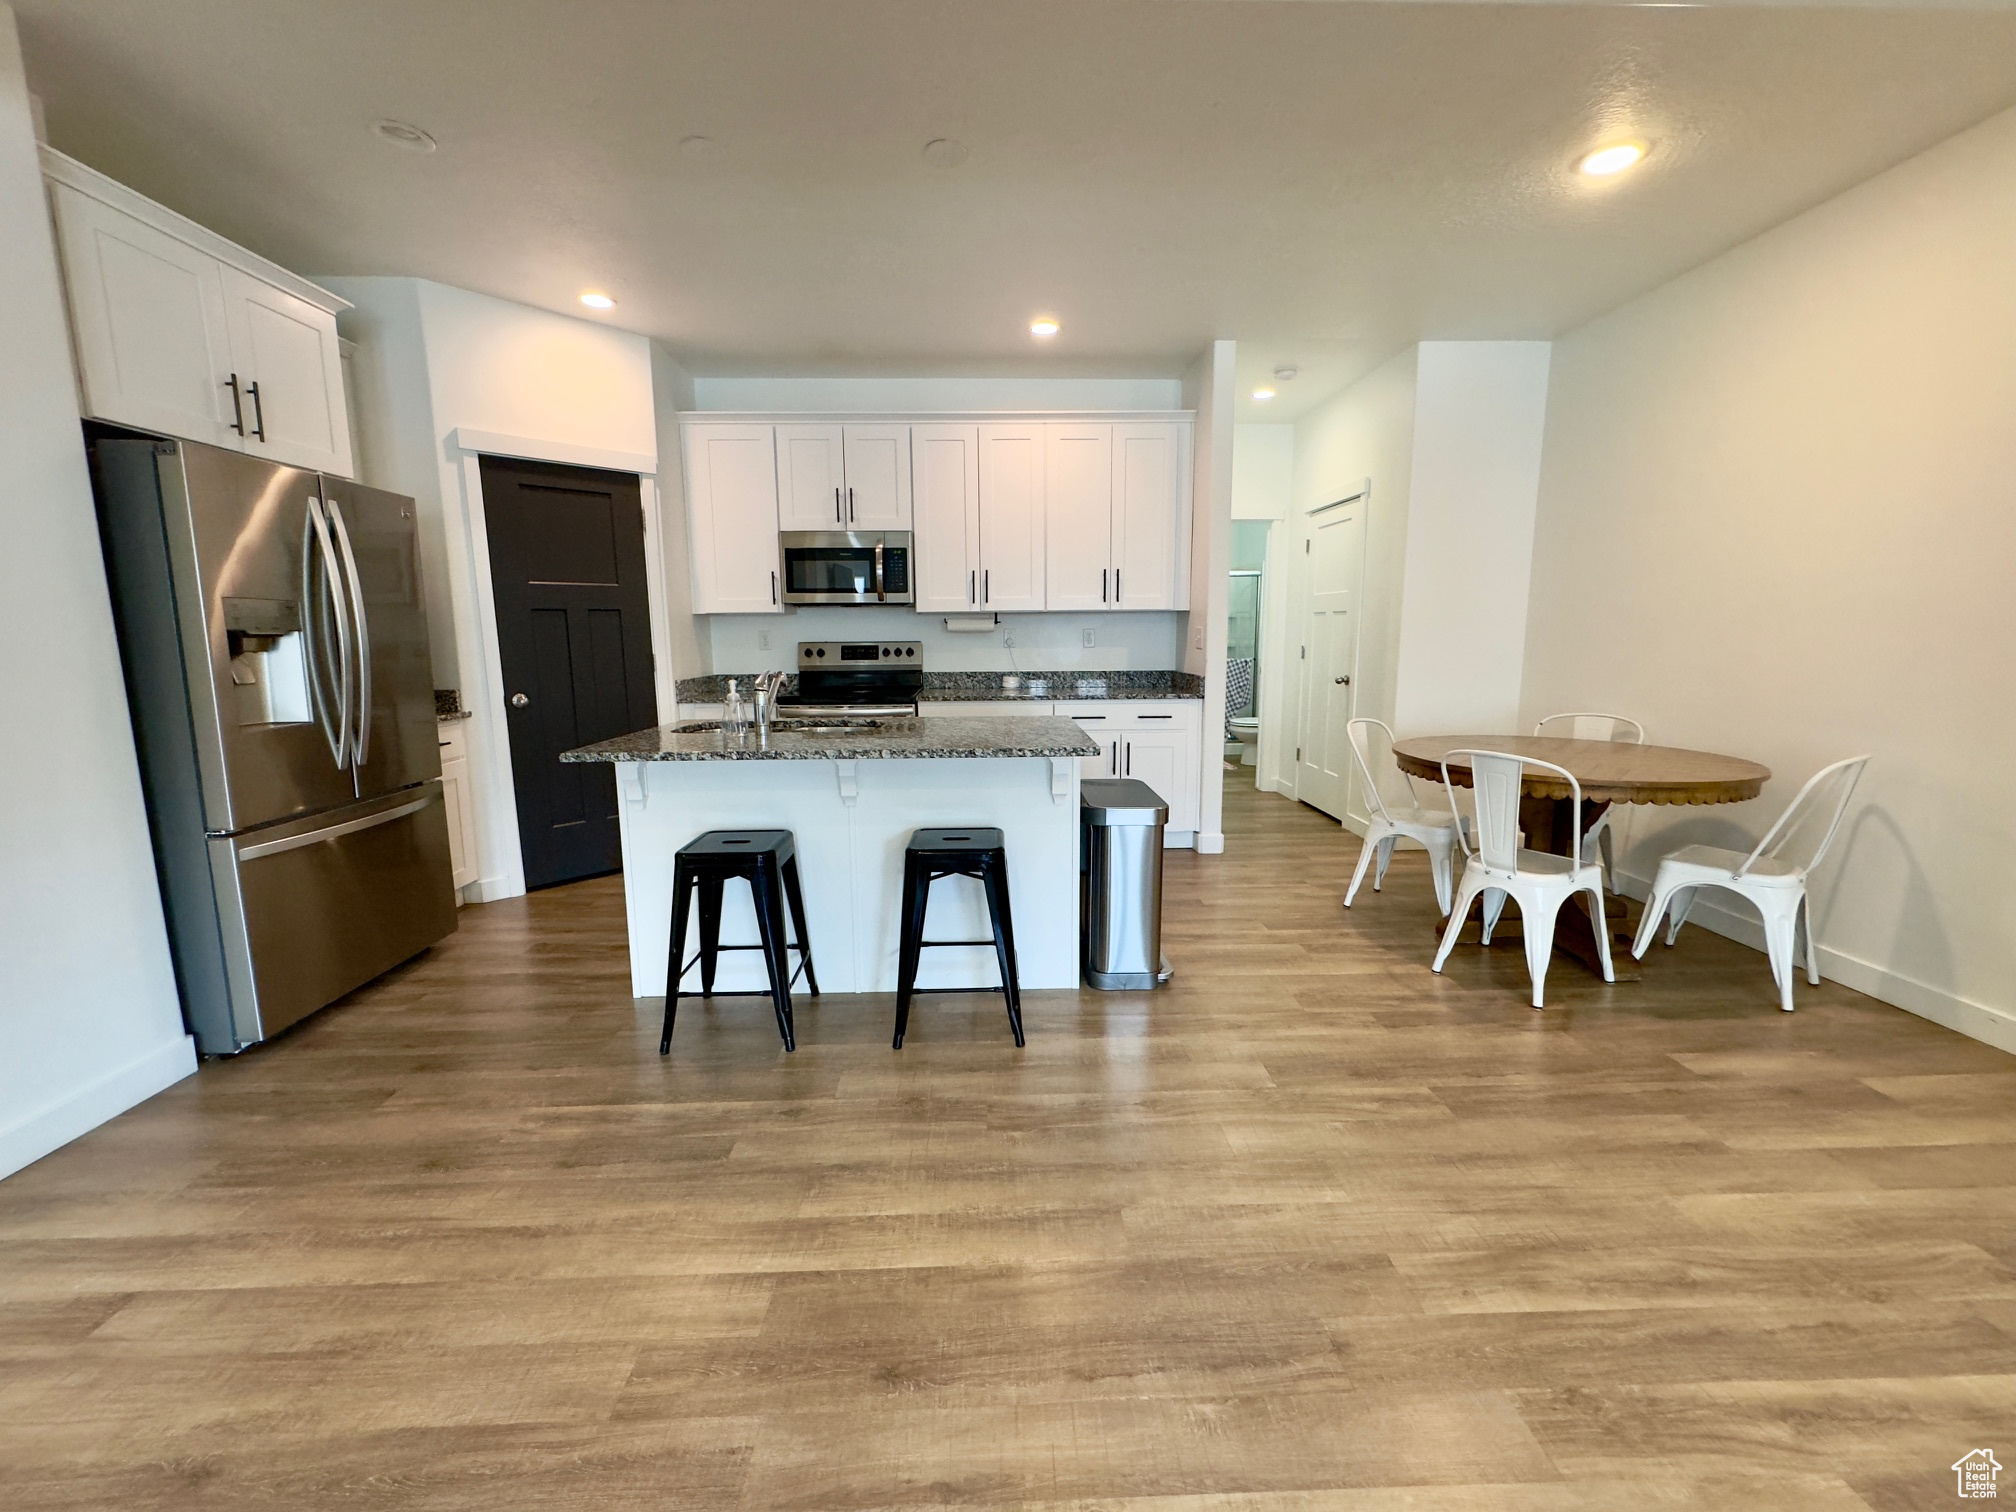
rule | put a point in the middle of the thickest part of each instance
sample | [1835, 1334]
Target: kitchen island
[852, 794]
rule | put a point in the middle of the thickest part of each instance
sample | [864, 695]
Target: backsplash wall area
[1145, 641]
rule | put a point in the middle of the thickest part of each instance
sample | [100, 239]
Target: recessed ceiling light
[404, 134]
[596, 301]
[1615, 158]
[1044, 326]
[945, 152]
[1263, 395]
[702, 149]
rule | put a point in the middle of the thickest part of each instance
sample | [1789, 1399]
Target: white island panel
[852, 821]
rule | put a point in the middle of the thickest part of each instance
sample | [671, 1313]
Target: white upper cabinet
[181, 332]
[811, 478]
[1151, 516]
[292, 375]
[945, 470]
[1011, 517]
[731, 504]
[1078, 508]
[877, 464]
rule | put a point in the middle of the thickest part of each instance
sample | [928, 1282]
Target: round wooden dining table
[1609, 771]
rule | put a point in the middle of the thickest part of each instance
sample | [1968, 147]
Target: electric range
[857, 678]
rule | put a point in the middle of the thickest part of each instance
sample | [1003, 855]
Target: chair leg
[1602, 925]
[995, 880]
[1442, 869]
[1466, 894]
[1609, 858]
[796, 898]
[1494, 909]
[682, 900]
[764, 893]
[1385, 848]
[1781, 931]
[710, 932]
[916, 898]
[1806, 922]
[1538, 923]
[1682, 905]
[1648, 926]
[1364, 863]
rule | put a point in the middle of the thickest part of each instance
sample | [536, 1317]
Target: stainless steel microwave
[846, 567]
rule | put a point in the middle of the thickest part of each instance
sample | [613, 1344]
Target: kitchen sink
[791, 726]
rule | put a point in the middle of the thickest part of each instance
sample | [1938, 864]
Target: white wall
[89, 1016]
[1263, 471]
[689, 636]
[1479, 411]
[1778, 518]
[525, 383]
[1207, 389]
[1042, 642]
[905, 395]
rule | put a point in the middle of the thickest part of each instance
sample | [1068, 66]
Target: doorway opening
[1246, 604]
[567, 570]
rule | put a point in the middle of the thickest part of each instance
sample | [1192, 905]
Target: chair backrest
[1496, 781]
[1617, 727]
[1372, 750]
[1816, 812]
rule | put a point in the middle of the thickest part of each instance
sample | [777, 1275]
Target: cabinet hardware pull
[258, 412]
[1130, 760]
[850, 506]
[838, 518]
[773, 585]
[237, 405]
[1116, 587]
[986, 586]
[972, 588]
[1102, 585]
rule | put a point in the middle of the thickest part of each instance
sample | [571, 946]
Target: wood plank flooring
[1311, 1228]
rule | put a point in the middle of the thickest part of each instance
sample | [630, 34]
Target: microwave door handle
[881, 594]
[360, 626]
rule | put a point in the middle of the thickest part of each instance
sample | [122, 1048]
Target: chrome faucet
[766, 686]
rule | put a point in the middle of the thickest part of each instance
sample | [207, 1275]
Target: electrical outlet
[1089, 637]
[1008, 640]
[762, 640]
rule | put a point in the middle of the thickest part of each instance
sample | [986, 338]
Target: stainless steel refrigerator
[275, 645]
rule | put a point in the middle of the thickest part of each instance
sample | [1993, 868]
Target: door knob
[1340, 681]
[519, 700]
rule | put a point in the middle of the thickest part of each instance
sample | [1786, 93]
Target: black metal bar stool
[935, 853]
[768, 861]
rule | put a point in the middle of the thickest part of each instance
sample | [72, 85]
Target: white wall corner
[1208, 388]
[84, 1108]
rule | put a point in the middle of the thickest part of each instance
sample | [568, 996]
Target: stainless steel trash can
[1120, 824]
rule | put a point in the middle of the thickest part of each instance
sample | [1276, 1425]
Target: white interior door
[294, 407]
[946, 514]
[153, 344]
[878, 476]
[1078, 516]
[1151, 526]
[1011, 517]
[731, 474]
[811, 478]
[1334, 548]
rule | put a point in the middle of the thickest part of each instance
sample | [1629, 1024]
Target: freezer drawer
[319, 906]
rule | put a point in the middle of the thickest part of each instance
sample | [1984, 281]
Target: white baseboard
[1210, 844]
[1991, 1026]
[28, 1139]
[493, 889]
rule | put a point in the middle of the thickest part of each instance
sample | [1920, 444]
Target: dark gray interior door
[573, 635]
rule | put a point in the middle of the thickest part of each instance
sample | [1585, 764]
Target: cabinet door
[1078, 516]
[946, 468]
[1011, 517]
[1164, 759]
[811, 482]
[1103, 726]
[878, 476]
[153, 344]
[731, 482]
[286, 352]
[461, 818]
[1151, 526]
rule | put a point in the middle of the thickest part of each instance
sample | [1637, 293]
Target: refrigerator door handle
[318, 611]
[330, 832]
[360, 625]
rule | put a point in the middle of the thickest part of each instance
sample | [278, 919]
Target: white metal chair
[1615, 727]
[1393, 821]
[1773, 880]
[1537, 881]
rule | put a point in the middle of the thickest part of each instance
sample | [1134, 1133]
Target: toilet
[1246, 730]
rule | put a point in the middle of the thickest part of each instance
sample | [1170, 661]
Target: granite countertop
[948, 737]
[988, 687]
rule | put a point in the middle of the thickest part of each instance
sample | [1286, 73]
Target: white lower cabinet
[460, 803]
[1152, 740]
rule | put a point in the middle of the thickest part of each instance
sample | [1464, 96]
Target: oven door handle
[881, 594]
